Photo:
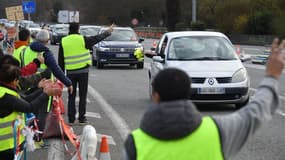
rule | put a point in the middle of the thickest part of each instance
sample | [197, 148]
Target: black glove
[37, 62]
[46, 74]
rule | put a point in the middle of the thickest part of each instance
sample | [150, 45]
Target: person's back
[172, 128]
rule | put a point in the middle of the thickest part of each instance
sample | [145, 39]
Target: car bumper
[113, 58]
[231, 96]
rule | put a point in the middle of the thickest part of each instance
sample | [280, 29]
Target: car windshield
[61, 29]
[122, 35]
[201, 48]
[34, 25]
[89, 31]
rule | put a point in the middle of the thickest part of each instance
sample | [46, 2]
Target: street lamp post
[194, 7]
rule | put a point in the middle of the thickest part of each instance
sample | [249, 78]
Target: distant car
[57, 32]
[33, 27]
[118, 48]
[261, 58]
[209, 58]
[89, 30]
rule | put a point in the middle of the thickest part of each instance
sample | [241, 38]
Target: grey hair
[42, 36]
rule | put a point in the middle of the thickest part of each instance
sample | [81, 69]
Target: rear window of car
[201, 48]
[122, 35]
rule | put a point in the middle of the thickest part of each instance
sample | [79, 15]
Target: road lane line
[119, 123]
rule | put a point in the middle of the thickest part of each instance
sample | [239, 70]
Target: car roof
[171, 35]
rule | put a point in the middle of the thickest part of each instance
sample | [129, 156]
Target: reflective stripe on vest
[17, 53]
[202, 144]
[6, 124]
[76, 56]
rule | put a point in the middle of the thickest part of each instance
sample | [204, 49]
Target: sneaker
[84, 121]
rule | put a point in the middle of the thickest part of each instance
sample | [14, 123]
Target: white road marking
[117, 120]
[89, 114]
[252, 49]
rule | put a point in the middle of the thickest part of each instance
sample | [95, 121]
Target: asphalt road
[118, 97]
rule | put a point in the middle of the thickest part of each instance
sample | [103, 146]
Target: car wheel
[100, 65]
[240, 105]
[140, 65]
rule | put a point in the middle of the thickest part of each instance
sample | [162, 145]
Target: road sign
[29, 6]
[65, 16]
[14, 13]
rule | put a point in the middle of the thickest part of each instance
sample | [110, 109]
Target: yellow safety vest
[75, 54]
[28, 57]
[139, 54]
[6, 128]
[202, 144]
[17, 53]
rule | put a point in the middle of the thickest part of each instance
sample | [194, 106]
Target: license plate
[122, 55]
[211, 90]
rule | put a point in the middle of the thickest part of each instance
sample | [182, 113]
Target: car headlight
[103, 49]
[239, 76]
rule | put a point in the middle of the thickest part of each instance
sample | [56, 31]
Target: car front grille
[224, 80]
[122, 49]
[201, 80]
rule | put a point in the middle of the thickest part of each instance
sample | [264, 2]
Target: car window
[89, 31]
[61, 29]
[122, 35]
[201, 48]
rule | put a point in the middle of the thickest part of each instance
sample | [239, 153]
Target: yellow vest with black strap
[27, 57]
[17, 53]
[202, 144]
[75, 54]
[6, 128]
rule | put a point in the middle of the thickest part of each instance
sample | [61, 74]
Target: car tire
[140, 65]
[100, 65]
[240, 105]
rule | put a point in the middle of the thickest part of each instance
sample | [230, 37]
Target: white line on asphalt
[89, 114]
[117, 120]
[253, 49]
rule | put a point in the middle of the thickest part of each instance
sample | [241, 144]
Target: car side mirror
[141, 40]
[158, 59]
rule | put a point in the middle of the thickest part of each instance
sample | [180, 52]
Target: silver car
[209, 58]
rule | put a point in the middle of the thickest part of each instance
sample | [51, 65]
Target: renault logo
[211, 81]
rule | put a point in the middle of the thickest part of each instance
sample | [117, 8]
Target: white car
[209, 58]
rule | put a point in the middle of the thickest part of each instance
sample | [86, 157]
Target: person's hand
[51, 91]
[70, 89]
[276, 60]
[111, 28]
[41, 58]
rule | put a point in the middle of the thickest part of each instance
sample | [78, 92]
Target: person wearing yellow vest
[172, 127]
[12, 107]
[38, 47]
[139, 54]
[74, 57]
[20, 47]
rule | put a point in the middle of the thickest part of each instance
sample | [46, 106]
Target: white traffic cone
[104, 150]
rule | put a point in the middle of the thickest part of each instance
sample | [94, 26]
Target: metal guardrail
[243, 39]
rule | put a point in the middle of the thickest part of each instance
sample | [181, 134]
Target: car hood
[207, 68]
[119, 44]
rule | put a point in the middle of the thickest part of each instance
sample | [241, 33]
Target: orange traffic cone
[104, 149]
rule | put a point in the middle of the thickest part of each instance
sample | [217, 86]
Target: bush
[198, 26]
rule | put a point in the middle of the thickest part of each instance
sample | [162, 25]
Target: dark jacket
[50, 62]
[30, 103]
[89, 43]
